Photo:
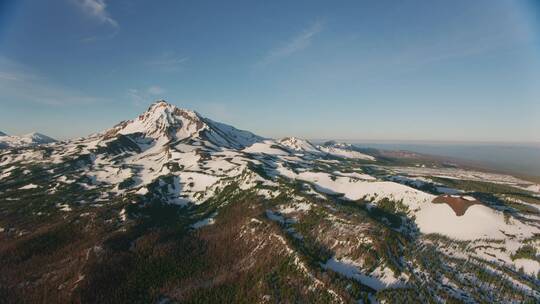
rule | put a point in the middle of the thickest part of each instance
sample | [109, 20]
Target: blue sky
[357, 70]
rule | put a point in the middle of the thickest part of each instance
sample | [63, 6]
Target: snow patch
[29, 186]
[204, 222]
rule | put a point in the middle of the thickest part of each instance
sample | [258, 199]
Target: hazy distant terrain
[517, 158]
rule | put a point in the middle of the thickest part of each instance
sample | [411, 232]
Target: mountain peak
[162, 120]
[160, 101]
[298, 144]
[162, 108]
[161, 105]
[31, 139]
[165, 120]
[292, 140]
[36, 137]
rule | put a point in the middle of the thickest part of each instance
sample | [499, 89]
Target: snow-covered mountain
[332, 148]
[344, 150]
[166, 122]
[39, 138]
[183, 208]
[12, 141]
[299, 145]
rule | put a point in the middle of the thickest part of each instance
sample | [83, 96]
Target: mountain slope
[7, 141]
[343, 150]
[39, 138]
[174, 207]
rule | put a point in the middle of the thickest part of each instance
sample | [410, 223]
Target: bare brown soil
[458, 204]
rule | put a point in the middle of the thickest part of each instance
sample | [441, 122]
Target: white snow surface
[204, 222]
[29, 186]
[31, 139]
[380, 278]
[295, 207]
[529, 266]
[354, 188]
[266, 147]
[299, 145]
[478, 222]
[345, 153]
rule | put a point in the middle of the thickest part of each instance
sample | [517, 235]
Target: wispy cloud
[21, 84]
[142, 97]
[453, 46]
[293, 45]
[10, 76]
[97, 10]
[216, 110]
[167, 61]
[155, 90]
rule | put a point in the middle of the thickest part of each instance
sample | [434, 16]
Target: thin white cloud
[216, 110]
[21, 84]
[155, 90]
[142, 97]
[100, 37]
[167, 61]
[8, 76]
[295, 44]
[136, 97]
[97, 9]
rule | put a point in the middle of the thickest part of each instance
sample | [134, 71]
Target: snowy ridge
[12, 141]
[298, 145]
[39, 138]
[343, 150]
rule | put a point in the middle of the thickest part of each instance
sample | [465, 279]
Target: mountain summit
[166, 122]
[298, 144]
[39, 138]
[31, 139]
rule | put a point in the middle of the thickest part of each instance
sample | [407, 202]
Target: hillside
[173, 207]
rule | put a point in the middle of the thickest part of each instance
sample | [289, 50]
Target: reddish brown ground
[458, 204]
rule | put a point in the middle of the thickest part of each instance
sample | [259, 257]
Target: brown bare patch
[458, 204]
